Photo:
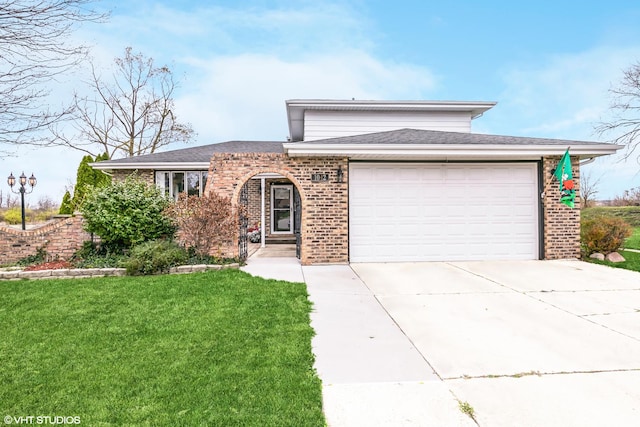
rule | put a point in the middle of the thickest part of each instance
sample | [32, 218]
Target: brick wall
[60, 239]
[561, 223]
[325, 216]
[255, 202]
[324, 228]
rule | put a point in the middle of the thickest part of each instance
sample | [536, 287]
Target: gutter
[110, 165]
[444, 151]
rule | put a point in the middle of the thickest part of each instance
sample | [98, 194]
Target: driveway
[527, 343]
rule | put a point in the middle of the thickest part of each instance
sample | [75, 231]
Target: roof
[297, 107]
[403, 144]
[413, 144]
[189, 158]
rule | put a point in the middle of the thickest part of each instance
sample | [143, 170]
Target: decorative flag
[565, 178]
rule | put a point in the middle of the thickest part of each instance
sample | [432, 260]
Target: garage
[443, 211]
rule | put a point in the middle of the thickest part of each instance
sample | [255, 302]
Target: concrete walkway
[372, 374]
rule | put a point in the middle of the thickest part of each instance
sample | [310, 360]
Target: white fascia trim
[441, 151]
[366, 105]
[152, 166]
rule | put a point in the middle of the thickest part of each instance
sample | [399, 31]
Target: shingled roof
[416, 136]
[195, 156]
[200, 156]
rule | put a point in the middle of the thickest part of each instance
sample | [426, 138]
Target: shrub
[92, 255]
[206, 223]
[13, 216]
[603, 234]
[127, 213]
[39, 257]
[153, 257]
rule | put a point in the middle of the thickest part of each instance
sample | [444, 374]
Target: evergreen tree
[101, 179]
[65, 206]
[84, 179]
[88, 178]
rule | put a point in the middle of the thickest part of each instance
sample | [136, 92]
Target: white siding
[442, 212]
[320, 124]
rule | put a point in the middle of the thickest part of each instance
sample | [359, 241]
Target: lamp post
[22, 190]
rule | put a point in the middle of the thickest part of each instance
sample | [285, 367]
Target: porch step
[286, 239]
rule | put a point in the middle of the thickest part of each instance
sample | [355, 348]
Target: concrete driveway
[527, 343]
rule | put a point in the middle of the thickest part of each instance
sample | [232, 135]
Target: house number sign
[319, 177]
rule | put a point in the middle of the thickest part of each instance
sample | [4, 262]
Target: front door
[282, 209]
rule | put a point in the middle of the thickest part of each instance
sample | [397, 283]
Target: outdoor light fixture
[339, 174]
[22, 190]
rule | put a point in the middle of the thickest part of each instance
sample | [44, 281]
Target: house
[386, 181]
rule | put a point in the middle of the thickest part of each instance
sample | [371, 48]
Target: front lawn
[220, 348]
[633, 242]
[632, 261]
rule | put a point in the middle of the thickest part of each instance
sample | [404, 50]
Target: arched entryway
[270, 209]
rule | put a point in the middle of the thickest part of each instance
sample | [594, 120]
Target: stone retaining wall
[80, 273]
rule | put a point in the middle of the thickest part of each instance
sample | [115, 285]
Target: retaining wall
[60, 239]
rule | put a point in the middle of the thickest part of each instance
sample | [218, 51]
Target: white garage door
[442, 212]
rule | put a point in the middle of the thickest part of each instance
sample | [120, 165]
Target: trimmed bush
[127, 213]
[603, 234]
[155, 257]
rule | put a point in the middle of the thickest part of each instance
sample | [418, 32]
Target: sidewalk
[372, 374]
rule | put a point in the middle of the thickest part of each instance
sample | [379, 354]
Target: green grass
[633, 242]
[630, 214]
[219, 348]
[632, 261]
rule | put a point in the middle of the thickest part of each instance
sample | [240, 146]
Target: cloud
[169, 31]
[564, 95]
[243, 96]
[239, 64]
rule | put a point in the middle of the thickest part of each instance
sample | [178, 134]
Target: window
[175, 182]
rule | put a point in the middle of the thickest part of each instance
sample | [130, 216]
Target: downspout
[586, 162]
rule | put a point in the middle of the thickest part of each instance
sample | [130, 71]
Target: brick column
[561, 223]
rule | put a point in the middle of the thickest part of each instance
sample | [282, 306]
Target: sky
[548, 64]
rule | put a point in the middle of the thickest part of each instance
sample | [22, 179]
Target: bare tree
[34, 49]
[625, 108]
[46, 203]
[629, 197]
[588, 188]
[129, 115]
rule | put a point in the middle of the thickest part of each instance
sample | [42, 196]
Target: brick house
[385, 181]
